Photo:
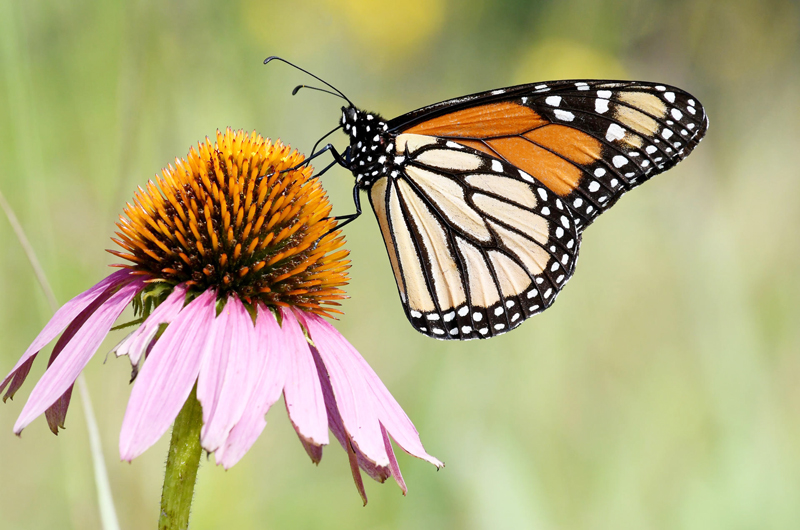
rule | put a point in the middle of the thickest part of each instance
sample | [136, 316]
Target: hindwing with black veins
[482, 200]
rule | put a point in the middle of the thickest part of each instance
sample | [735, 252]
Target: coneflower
[233, 263]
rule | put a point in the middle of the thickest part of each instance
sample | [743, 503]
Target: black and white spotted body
[371, 151]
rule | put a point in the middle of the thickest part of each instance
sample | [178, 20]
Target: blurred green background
[661, 391]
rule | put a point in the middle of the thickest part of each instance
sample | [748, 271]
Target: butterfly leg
[326, 168]
[349, 218]
[338, 158]
[314, 149]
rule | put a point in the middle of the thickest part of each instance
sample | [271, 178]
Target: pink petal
[270, 349]
[351, 457]
[302, 393]
[72, 359]
[344, 361]
[67, 336]
[135, 344]
[235, 383]
[354, 399]
[313, 451]
[212, 369]
[398, 476]
[56, 414]
[376, 472]
[60, 320]
[20, 373]
[167, 377]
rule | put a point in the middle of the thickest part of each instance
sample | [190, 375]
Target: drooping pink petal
[135, 344]
[313, 450]
[72, 359]
[20, 373]
[167, 377]
[135, 367]
[337, 352]
[376, 472]
[398, 476]
[393, 417]
[302, 392]
[65, 338]
[212, 369]
[56, 414]
[351, 457]
[354, 398]
[61, 320]
[268, 348]
[237, 381]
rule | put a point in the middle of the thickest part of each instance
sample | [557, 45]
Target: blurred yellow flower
[379, 33]
[400, 28]
[566, 59]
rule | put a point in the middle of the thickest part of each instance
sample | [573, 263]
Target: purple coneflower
[233, 264]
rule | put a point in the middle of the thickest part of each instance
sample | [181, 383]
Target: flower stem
[182, 463]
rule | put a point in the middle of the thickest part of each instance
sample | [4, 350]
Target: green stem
[182, 463]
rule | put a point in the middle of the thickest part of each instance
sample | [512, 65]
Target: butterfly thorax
[371, 145]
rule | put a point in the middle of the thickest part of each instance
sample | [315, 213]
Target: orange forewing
[479, 145]
[575, 145]
[555, 172]
[518, 134]
[483, 121]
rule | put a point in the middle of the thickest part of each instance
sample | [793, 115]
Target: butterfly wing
[586, 141]
[476, 244]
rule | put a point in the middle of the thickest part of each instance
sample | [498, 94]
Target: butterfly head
[370, 144]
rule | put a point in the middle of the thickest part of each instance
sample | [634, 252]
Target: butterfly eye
[349, 116]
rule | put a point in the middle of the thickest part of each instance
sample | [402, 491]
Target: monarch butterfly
[482, 200]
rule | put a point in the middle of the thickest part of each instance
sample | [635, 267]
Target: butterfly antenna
[298, 87]
[339, 92]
